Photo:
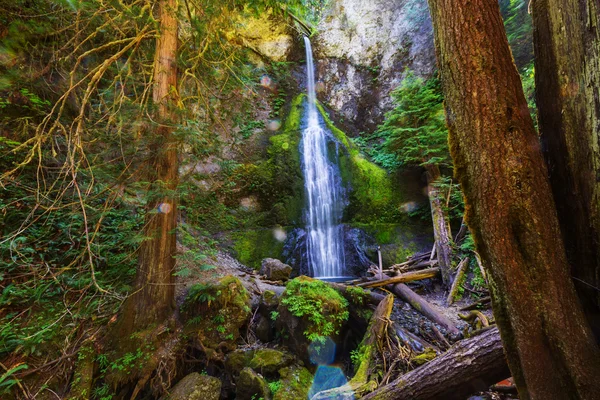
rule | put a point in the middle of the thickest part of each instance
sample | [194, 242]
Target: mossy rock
[251, 246]
[270, 361]
[373, 195]
[195, 387]
[237, 360]
[251, 386]
[309, 312]
[214, 313]
[295, 383]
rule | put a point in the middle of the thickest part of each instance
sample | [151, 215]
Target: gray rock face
[362, 51]
[251, 385]
[195, 387]
[275, 270]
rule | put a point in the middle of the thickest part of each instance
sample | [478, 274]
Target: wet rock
[275, 270]
[251, 386]
[270, 361]
[195, 387]
[264, 329]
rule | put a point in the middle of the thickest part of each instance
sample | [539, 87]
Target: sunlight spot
[164, 208]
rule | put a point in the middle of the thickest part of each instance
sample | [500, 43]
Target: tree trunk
[441, 227]
[550, 348]
[470, 366]
[153, 298]
[567, 72]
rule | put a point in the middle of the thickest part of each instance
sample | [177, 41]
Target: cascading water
[324, 191]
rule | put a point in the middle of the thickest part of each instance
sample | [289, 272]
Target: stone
[264, 330]
[251, 386]
[275, 270]
[237, 360]
[270, 361]
[295, 383]
[195, 387]
[362, 49]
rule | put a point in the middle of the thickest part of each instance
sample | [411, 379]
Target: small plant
[274, 386]
[323, 306]
[274, 315]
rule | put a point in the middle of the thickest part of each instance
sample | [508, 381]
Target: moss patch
[373, 196]
[213, 314]
[321, 306]
[251, 246]
[295, 383]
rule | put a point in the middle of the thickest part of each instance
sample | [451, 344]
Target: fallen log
[477, 304]
[365, 378]
[460, 272]
[470, 366]
[421, 264]
[374, 298]
[423, 306]
[409, 277]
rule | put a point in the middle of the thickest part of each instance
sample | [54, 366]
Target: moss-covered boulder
[270, 361]
[195, 387]
[237, 360]
[295, 383]
[251, 386]
[309, 312]
[214, 313]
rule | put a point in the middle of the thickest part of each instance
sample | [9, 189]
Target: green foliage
[414, 132]
[8, 380]
[274, 386]
[519, 30]
[322, 306]
[274, 315]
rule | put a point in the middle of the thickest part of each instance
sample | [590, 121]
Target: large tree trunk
[567, 72]
[470, 366]
[550, 348]
[441, 226]
[153, 298]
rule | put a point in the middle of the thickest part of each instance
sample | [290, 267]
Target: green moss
[426, 356]
[322, 306]
[269, 361]
[373, 196]
[251, 246]
[295, 383]
[357, 295]
[216, 312]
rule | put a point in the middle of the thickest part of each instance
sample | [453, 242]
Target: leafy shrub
[324, 308]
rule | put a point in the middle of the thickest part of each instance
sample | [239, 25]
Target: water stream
[324, 190]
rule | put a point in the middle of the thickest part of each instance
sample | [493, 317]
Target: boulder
[195, 387]
[295, 383]
[265, 331]
[251, 386]
[270, 361]
[275, 270]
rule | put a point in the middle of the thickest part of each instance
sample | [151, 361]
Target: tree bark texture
[509, 207]
[153, 298]
[567, 72]
[470, 366]
[441, 226]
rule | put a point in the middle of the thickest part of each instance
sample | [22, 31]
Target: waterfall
[324, 191]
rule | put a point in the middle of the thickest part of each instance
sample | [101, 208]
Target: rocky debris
[275, 270]
[195, 387]
[251, 386]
